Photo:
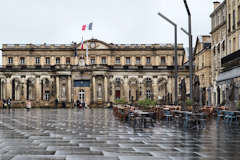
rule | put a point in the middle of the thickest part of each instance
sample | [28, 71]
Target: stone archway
[3, 89]
[16, 89]
[148, 88]
[133, 89]
[162, 90]
[118, 88]
[45, 89]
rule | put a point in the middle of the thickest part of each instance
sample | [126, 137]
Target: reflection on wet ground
[69, 134]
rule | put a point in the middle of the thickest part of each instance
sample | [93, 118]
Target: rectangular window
[238, 15]
[68, 60]
[163, 60]
[46, 95]
[234, 44]
[233, 20]
[138, 59]
[148, 61]
[229, 47]
[104, 60]
[57, 60]
[229, 22]
[47, 60]
[128, 61]
[92, 60]
[218, 48]
[117, 61]
[223, 46]
[22, 60]
[37, 60]
[10, 60]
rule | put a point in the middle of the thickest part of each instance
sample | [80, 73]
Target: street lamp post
[175, 55]
[190, 49]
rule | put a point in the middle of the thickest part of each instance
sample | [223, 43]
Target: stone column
[126, 89]
[25, 89]
[94, 89]
[155, 89]
[57, 87]
[9, 88]
[106, 88]
[69, 89]
[38, 89]
[113, 93]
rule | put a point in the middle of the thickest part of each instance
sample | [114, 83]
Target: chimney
[216, 4]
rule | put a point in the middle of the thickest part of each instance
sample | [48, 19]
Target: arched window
[148, 94]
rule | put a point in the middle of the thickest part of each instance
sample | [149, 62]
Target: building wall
[45, 76]
[202, 61]
[219, 46]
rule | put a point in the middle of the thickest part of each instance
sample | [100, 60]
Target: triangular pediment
[94, 44]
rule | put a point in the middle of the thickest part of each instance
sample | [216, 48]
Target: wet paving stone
[95, 134]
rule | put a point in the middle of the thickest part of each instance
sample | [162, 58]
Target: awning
[229, 74]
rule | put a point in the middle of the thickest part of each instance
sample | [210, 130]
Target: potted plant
[146, 104]
[120, 101]
[189, 104]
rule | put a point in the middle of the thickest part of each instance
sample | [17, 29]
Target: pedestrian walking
[63, 104]
[78, 104]
[9, 103]
[56, 102]
[83, 105]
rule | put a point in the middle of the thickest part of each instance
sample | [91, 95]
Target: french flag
[82, 44]
[85, 26]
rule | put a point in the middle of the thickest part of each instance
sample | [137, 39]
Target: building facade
[202, 61]
[44, 73]
[229, 79]
[219, 48]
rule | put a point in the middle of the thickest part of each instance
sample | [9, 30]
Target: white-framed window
[148, 60]
[22, 60]
[117, 60]
[47, 59]
[163, 60]
[138, 60]
[10, 60]
[93, 60]
[104, 61]
[57, 60]
[148, 94]
[47, 96]
[37, 60]
[128, 60]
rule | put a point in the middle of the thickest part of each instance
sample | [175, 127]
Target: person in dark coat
[56, 102]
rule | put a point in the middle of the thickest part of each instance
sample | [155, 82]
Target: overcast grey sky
[116, 21]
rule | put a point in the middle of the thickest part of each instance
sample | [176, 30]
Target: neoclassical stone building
[42, 73]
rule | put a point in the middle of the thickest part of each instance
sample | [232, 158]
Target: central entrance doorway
[81, 96]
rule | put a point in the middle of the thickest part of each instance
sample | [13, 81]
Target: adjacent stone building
[218, 45]
[202, 61]
[46, 72]
[228, 80]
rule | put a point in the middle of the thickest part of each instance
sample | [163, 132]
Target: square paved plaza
[95, 134]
